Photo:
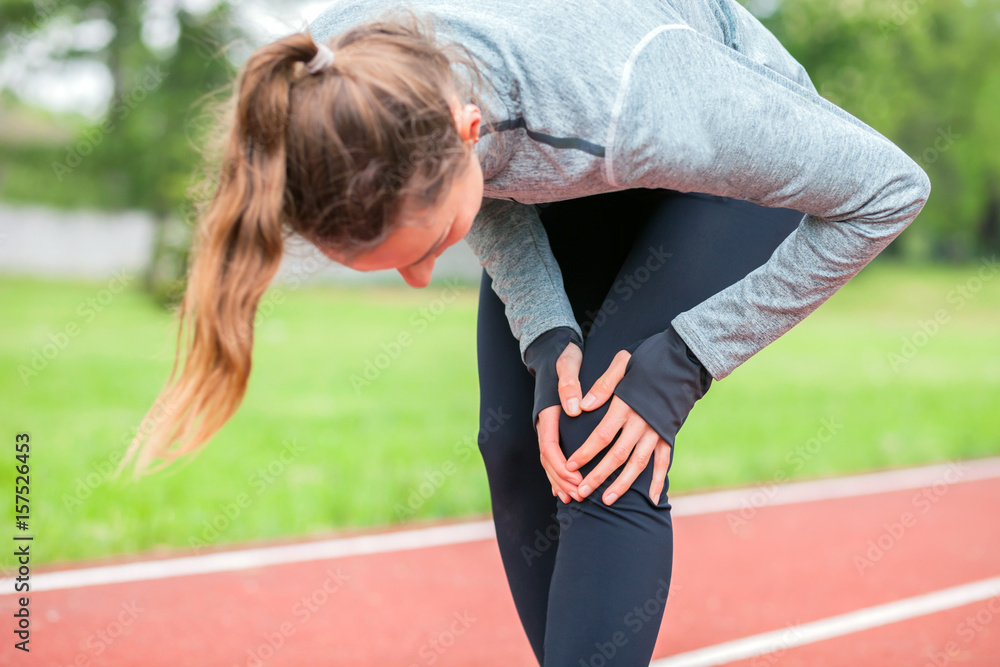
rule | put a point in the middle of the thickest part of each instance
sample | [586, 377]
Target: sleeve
[751, 38]
[719, 122]
[511, 244]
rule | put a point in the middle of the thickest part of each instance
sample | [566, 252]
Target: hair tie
[320, 61]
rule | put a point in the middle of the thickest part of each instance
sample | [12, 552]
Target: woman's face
[413, 246]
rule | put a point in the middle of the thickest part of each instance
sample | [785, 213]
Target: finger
[562, 494]
[564, 485]
[642, 454]
[568, 371]
[552, 457]
[615, 457]
[601, 436]
[548, 444]
[661, 461]
[565, 490]
[605, 385]
[616, 416]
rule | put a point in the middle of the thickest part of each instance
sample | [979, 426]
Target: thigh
[591, 237]
[613, 568]
[690, 247]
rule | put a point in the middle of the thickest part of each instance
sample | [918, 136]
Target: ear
[467, 120]
[475, 117]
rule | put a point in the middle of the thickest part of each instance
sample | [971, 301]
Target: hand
[564, 481]
[636, 435]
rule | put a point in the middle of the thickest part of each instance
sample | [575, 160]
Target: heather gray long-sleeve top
[688, 95]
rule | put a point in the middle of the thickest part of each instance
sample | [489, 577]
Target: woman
[660, 175]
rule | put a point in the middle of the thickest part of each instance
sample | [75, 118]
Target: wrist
[541, 357]
[662, 382]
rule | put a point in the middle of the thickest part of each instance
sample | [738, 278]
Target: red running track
[777, 567]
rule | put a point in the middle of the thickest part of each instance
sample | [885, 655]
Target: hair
[336, 157]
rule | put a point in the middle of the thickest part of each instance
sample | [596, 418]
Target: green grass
[360, 455]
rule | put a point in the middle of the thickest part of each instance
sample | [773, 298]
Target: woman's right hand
[564, 482]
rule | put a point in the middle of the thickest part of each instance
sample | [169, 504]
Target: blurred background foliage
[143, 151]
[925, 73]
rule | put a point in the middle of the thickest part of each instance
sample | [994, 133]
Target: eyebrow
[434, 246]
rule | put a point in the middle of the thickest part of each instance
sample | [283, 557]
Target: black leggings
[590, 581]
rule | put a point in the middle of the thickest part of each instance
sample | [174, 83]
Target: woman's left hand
[637, 444]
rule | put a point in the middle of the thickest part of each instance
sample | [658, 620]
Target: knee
[574, 431]
[496, 419]
[507, 445]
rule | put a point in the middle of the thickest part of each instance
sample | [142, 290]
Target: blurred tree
[143, 152]
[926, 74]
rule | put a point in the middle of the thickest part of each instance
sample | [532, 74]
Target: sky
[34, 72]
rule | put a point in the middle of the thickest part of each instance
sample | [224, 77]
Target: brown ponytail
[334, 156]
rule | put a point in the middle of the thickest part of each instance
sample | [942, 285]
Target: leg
[524, 509]
[520, 493]
[613, 565]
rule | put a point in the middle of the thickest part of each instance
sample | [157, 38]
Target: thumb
[568, 371]
[605, 385]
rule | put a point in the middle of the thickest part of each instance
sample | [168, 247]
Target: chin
[418, 285]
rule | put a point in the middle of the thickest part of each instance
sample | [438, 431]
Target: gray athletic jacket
[689, 95]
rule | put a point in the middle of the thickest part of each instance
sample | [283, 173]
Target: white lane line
[226, 561]
[836, 626]
[418, 538]
[837, 487]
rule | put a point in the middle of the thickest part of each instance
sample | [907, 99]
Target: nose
[418, 275]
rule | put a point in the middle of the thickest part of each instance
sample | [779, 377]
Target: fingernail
[584, 490]
[562, 497]
[588, 401]
[610, 498]
[656, 498]
[577, 498]
[571, 465]
[573, 404]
